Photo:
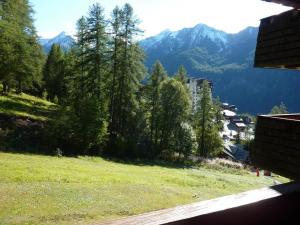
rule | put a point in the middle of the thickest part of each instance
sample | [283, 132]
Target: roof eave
[292, 3]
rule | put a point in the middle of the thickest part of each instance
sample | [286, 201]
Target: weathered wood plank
[292, 63]
[292, 3]
[280, 123]
[281, 32]
[287, 163]
[268, 149]
[286, 136]
[207, 208]
[288, 116]
[286, 172]
[295, 53]
[277, 144]
[278, 42]
[282, 169]
[278, 48]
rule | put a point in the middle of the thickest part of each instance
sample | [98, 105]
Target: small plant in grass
[58, 153]
[45, 95]
[55, 99]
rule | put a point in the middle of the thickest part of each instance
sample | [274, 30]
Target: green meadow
[51, 190]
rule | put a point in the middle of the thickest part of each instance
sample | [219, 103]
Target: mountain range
[65, 41]
[226, 60]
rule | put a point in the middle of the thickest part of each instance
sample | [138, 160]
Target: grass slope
[26, 106]
[49, 190]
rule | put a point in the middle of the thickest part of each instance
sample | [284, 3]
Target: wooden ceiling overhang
[278, 42]
[292, 3]
[277, 137]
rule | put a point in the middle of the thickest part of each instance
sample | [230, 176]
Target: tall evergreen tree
[219, 117]
[97, 51]
[54, 73]
[116, 43]
[128, 70]
[81, 50]
[21, 56]
[158, 75]
[209, 140]
[174, 111]
[85, 116]
[181, 75]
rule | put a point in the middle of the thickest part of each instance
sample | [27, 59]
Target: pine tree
[174, 111]
[281, 109]
[21, 56]
[85, 115]
[127, 72]
[96, 52]
[219, 117]
[181, 75]
[54, 73]
[116, 71]
[158, 75]
[131, 66]
[209, 141]
[81, 50]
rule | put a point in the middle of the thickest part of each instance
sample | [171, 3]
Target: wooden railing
[272, 205]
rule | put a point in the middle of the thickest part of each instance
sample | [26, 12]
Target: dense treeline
[109, 104]
[21, 56]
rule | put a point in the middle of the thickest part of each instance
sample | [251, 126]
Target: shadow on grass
[150, 162]
[12, 106]
[20, 98]
[133, 162]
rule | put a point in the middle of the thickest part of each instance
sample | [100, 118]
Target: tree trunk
[5, 87]
[19, 90]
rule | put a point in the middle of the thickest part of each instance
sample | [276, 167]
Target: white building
[195, 85]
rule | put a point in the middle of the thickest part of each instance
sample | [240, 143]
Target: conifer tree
[174, 111]
[281, 109]
[127, 72]
[54, 73]
[96, 51]
[86, 109]
[158, 75]
[80, 50]
[21, 56]
[209, 140]
[181, 75]
[116, 42]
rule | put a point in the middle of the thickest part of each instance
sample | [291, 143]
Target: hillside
[227, 60]
[51, 190]
[26, 106]
[23, 120]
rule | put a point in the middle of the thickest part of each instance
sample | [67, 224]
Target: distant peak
[165, 31]
[62, 34]
[248, 30]
[201, 25]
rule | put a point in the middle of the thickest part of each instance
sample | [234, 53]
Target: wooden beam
[292, 3]
[211, 209]
[278, 42]
[277, 144]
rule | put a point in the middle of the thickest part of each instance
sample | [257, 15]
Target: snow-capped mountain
[187, 38]
[201, 48]
[63, 39]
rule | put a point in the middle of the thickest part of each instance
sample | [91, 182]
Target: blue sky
[55, 16]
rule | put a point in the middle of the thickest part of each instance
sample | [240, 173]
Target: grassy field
[26, 105]
[50, 190]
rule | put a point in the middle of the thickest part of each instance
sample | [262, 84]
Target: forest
[108, 102]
